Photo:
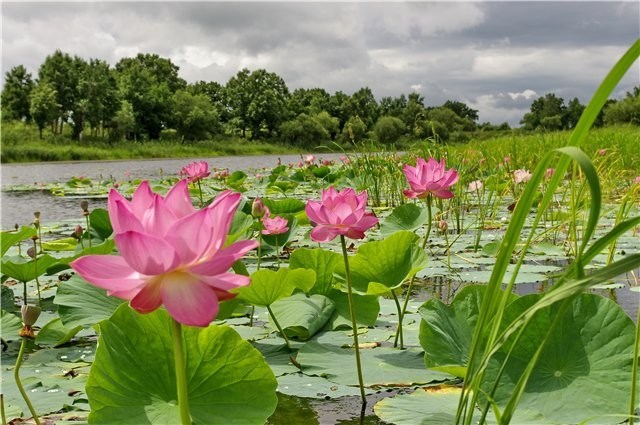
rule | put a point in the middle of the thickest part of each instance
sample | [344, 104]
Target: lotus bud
[77, 232]
[259, 209]
[30, 314]
[31, 252]
[36, 219]
[84, 205]
[16, 226]
[443, 226]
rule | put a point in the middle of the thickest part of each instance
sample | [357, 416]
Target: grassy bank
[21, 143]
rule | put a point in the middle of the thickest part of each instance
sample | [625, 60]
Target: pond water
[18, 207]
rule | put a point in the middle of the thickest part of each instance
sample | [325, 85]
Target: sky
[496, 57]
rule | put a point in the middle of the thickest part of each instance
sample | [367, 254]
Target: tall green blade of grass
[493, 304]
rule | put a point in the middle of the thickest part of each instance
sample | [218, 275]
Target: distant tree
[625, 111]
[462, 110]
[339, 107]
[388, 129]
[269, 98]
[548, 106]
[304, 131]
[329, 123]
[442, 122]
[354, 130]
[363, 104]
[216, 94]
[414, 113]
[99, 93]
[43, 105]
[238, 98]
[572, 113]
[124, 122]
[195, 118]
[63, 72]
[308, 101]
[393, 106]
[15, 94]
[148, 82]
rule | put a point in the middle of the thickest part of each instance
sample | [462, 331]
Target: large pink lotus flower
[340, 213]
[429, 178]
[274, 225]
[170, 253]
[195, 171]
[521, 176]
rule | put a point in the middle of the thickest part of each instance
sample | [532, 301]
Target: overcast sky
[496, 57]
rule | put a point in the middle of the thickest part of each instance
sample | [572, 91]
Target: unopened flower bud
[77, 232]
[84, 204]
[443, 226]
[31, 252]
[258, 208]
[30, 314]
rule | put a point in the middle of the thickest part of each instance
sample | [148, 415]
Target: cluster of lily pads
[205, 298]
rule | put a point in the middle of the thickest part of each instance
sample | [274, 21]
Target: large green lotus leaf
[132, 379]
[446, 330]
[81, 303]
[366, 307]
[24, 271]
[63, 244]
[425, 406]
[322, 261]
[8, 301]
[277, 355]
[55, 333]
[241, 227]
[584, 369]
[268, 286]
[8, 239]
[302, 316]
[404, 217]
[11, 325]
[284, 205]
[100, 223]
[301, 385]
[381, 366]
[383, 265]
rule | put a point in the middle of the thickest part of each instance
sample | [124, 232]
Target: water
[18, 207]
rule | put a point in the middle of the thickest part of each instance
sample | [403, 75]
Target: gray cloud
[476, 52]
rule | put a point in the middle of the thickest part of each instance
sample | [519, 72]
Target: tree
[99, 94]
[15, 94]
[63, 73]
[572, 113]
[354, 130]
[462, 110]
[548, 106]
[393, 106]
[195, 118]
[624, 111]
[216, 94]
[339, 107]
[124, 122]
[43, 105]
[414, 113]
[309, 101]
[388, 130]
[362, 104]
[304, 131]
[329, 123]
[148, 82]
[257, 100]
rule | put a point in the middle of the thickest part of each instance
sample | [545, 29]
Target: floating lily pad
[302, 316]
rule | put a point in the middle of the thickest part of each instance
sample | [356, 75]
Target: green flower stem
[2, 413]
[275, 321]
[86, 216]
[413, 278]
[16, 377]
[352, 313]
[200, 194]
[399, 329]
[35, 270]
[181, 372]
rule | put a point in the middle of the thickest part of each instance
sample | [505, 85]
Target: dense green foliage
[144, 98]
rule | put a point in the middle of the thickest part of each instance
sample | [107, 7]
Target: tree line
[143, 97]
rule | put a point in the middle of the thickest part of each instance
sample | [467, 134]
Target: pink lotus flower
[259, 209]
[345, 159]
[601, 152]
[637, 180]
[275, 225]
[170, 253]
[475, 186]
[521, 176]
[195, 171]
[309, 159]
[549, 173]
[429, 178]
[340, 213]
